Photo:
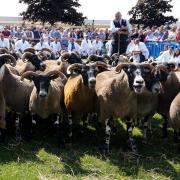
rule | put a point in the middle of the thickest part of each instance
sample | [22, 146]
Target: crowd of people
[86, 41]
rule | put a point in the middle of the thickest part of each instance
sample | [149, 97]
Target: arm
[113, 28]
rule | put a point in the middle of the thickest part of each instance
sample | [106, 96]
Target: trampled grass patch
[43, 159]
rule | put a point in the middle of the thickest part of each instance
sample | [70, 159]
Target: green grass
[42, 159]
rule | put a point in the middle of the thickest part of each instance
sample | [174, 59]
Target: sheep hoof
[144, 141]
[105, 151]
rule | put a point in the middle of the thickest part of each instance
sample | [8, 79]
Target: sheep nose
[42, 94]
[139, 81]
[92, 81]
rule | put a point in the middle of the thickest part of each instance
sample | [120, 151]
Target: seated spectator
[150, 36]
[19, 33]
[96, 46]
[102, 35]
[175, 58]
[135, 33]
[109, 46]
[72, 34]
[29, 34]
[4, 42]
[41, 45]
[21, 45]
[165, 56]
[56, 48]
[178, 34]
[64, 40]
[6, 32]
[37, 34]
[86, 46]
[172, 34]
[73, 46]
[142, 35]
[138, 50]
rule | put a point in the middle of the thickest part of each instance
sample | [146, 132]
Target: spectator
[178, 34]
[96, 46]
[73, 46]
[19, 33]
[4, 43]
[86, 46]
[21, 45]
[41, 45]
[6, 32]
[37, 34]
[29, 34]
[172, 33]
[175, 58]
[139, 51]
[165, 56]
[56, 48]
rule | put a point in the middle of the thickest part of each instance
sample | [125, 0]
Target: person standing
[120, 28]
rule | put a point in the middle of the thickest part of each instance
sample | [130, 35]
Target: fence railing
[156, 47]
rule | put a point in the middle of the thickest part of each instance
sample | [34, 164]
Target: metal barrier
[156, 47]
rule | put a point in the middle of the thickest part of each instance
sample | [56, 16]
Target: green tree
[151, 13]
[53, 11]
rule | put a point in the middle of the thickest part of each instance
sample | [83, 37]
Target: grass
[42, 159]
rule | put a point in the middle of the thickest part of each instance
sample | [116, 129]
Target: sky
[93, 9]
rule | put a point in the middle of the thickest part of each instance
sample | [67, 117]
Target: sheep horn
[147, 65]
[162, 67]
[4, 51]
[8, 59]
[120, 66]
[26, 55]
[28, 74]
[73, 66]
[46, 49]
[56, 74]
[65, 56]
[31, 50]
[101, 64]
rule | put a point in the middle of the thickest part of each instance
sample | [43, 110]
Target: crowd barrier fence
[156, 47]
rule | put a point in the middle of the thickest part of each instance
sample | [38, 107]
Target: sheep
[171, 87]
[16, 94]
[117, 97]
[79, 92]
[47, 96]
[33, 63]
[174, 114]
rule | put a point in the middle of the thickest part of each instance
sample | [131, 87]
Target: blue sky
[93, 9]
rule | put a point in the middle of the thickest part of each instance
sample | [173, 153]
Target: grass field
[42, 159]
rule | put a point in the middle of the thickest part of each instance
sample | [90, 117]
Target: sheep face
[37, 62]
[135, 77]
[89, 74]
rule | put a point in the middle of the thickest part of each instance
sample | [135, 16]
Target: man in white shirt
[41, 45]
[86, 46]
[4, 43]
[73, 46]
[56, 48]
[138, 50]
[120, 29]
[21, 45]
[165, 56]
[96, 46]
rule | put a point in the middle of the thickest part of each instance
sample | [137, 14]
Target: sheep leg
[69, 129]
[107, 137]
[164, 129]
[175, 136]
[18, 130]
[131, 141]
[85, 123]
[145, 128]
[2, 129]
[60, 125]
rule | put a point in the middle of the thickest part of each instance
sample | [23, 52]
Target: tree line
[145, 12]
